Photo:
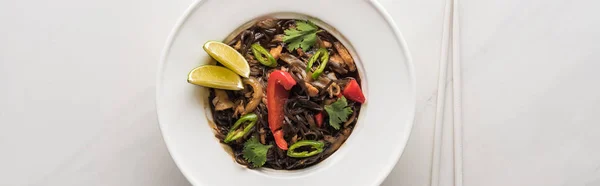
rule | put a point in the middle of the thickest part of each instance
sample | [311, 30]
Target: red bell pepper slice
[319, 119]
[352, 91]
[278, 86]
[279, 140]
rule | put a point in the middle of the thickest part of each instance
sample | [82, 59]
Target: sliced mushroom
[221, 100]
[345, 56]
[257, 94]
[292, 60]
[276, 52]
[350, 120]
[331, 76]
[335, 58]
[336, 142]
[239, 108]
[263, 135]
[322, 82]
[337, 64]
[267, 23]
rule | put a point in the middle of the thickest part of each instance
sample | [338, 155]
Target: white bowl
[385, 120]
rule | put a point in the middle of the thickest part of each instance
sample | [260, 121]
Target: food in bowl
[285, 94]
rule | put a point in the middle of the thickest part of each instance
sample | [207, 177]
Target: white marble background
[77, 91]
[531, 96]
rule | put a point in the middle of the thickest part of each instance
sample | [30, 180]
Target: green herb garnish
[303, 36]
[338, 112]
[255, 152]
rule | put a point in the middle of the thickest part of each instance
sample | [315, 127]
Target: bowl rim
[375, 4]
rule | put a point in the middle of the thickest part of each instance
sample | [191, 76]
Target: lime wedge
[215, 77]
[228, 56]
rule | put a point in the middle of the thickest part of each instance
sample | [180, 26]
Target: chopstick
[457, 87]
[448, 76]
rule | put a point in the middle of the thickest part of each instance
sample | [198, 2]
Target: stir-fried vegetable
[338, 112]
[316, 147]
[345, 56]
[221, 100]
[255, 152]
[324, 55]
[319, 119]
[256, 95]
[353, 92]
[277, 93]
[235, 134]
[263, 56]
[337, 64]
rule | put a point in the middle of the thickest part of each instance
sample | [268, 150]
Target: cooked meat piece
[300, 52]
[238, 45]
[276, 52]
[278, 38]
[323, 43]
[312, 91]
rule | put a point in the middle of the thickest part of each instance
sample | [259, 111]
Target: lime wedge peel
[215, 77]
[228, 56]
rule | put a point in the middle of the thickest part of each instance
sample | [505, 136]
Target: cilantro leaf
[303, 36]
[255, 152]
[338, 112]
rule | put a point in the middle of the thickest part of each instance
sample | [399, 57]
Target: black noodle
[300, 108]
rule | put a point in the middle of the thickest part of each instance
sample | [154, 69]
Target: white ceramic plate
[384, 64]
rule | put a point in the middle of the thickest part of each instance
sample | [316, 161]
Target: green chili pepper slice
[234, 134]
[322, 52]
[263, 56]
[317, 147]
